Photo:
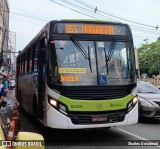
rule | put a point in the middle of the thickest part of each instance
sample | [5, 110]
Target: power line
[112, 15]
[26, 21]
[28, 16]
[73, 9]
[87, 10]
[137, 28]
[124, 19]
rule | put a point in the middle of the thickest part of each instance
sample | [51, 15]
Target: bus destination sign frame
[86, 28]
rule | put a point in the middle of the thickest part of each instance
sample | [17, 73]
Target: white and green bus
[78, 74]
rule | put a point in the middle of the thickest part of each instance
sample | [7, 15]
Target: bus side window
[35, 58]
[25, 64]
[30, 60]
[28, 55]
[19, 71]
[18, 67]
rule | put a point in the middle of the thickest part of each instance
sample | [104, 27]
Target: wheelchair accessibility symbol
[102, 79]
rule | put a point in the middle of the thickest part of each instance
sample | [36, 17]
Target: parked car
[149, 100]
[144, 75]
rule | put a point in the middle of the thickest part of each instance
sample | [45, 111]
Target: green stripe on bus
[95, 105]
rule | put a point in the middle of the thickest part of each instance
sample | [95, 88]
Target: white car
[149, 100]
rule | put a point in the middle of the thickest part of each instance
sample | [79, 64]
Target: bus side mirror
[29, 140]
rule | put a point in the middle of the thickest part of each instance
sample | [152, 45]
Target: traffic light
[146, 60]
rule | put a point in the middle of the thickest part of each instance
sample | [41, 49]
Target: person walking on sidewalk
[3, 92]
[11, 85]
[6, 83]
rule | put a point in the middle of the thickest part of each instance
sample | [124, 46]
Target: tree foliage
[150, 51]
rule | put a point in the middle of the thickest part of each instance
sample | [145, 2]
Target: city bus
[77, 74]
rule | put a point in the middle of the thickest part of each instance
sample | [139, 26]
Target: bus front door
[41, 83]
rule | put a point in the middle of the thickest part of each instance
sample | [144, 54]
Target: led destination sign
[89, 29]
[81, 28]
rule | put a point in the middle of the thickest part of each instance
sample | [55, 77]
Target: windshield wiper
[106, 59]
[82, 50]
[110, 52]
[89, 59]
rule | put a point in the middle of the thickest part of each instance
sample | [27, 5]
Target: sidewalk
[10, 99]
[7, 110]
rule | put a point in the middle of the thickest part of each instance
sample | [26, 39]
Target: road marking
[134, 135]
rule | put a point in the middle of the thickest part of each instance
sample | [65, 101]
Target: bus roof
[88, 20]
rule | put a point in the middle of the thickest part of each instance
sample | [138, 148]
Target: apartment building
[4, 33]
[12, 52]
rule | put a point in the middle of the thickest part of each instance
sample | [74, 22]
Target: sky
[27, 17]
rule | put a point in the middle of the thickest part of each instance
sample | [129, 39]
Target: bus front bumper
[55, 119]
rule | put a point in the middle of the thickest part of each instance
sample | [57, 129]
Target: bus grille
[87, 119]
[95, 92]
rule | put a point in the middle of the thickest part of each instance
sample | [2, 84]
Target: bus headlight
[53, 102]
[57, 105]
[135, 100]
[131, 104]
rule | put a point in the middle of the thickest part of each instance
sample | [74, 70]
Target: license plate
[99, 119]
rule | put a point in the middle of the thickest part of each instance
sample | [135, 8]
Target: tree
[152, 52]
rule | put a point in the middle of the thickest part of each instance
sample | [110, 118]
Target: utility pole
[158, 63]
[137, 62]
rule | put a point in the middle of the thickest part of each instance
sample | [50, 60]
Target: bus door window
[42, 58]
[52, 64]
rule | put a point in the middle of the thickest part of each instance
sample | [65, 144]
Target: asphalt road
[112, 138]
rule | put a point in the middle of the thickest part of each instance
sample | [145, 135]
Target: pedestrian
[6, 83]
[2, 74]
[3, 92]
[11, 85]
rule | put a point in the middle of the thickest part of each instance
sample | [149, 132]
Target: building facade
[11, 60]
[4, 33]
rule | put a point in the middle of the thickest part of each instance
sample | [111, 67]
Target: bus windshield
[92, 63]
